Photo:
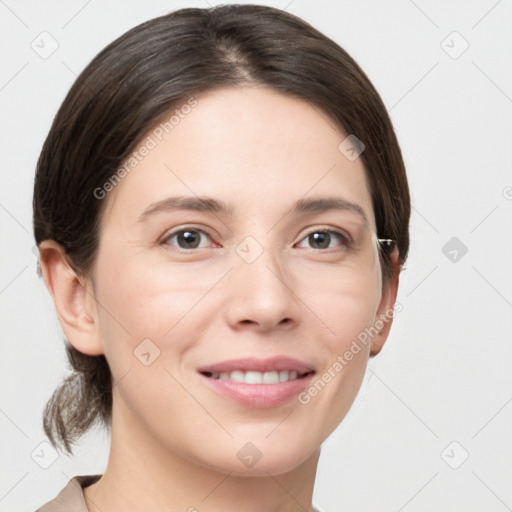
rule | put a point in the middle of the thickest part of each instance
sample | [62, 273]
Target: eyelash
[342, 238]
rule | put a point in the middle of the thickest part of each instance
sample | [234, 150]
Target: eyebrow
[210, 205]
[323, 204]
[199, 204]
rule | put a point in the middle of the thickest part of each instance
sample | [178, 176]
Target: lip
[259, 396]
[276, 363]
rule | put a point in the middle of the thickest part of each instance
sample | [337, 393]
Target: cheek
[346, 306]
[141, 302]
[142, 317]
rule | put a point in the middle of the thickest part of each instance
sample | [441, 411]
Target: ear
[73, 298]
[385, 312]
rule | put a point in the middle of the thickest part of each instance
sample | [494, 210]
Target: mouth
[255, 377]
[258, 383]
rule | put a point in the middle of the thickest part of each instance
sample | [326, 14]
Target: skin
[174, 440]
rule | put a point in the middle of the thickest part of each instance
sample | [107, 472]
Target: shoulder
[71, 498]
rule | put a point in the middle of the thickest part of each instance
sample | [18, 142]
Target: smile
[258, 383]
[255, 377]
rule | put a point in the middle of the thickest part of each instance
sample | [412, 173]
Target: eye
[326, 239]
[187, 239]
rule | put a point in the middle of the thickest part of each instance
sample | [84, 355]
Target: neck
[141, 474]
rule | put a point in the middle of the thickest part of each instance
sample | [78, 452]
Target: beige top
[71, 498]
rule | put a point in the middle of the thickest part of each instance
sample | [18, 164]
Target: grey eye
[320, 240]
[325, 239]
[187, 238]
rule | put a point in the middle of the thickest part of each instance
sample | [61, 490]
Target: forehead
[250, 147]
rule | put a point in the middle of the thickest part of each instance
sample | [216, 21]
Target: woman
[221, 209]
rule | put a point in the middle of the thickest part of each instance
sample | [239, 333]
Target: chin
[259, 457]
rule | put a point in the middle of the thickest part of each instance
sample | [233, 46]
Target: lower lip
[260, 396]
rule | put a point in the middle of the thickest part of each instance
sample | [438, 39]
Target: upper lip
[276, 363]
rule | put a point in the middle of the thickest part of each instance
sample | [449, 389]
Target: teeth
[237, 376]
[270, 378]
[252, 377]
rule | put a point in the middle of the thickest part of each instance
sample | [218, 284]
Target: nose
[261, 296]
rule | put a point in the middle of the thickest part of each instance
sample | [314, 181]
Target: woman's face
[224, 262]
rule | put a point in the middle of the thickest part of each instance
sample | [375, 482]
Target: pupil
[188, 238]
[321, 240]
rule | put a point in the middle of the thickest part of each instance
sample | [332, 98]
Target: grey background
[441, 389]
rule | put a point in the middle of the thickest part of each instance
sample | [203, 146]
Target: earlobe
[385, 313]
[73, 299]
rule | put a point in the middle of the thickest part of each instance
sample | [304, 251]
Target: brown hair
[139, 78]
